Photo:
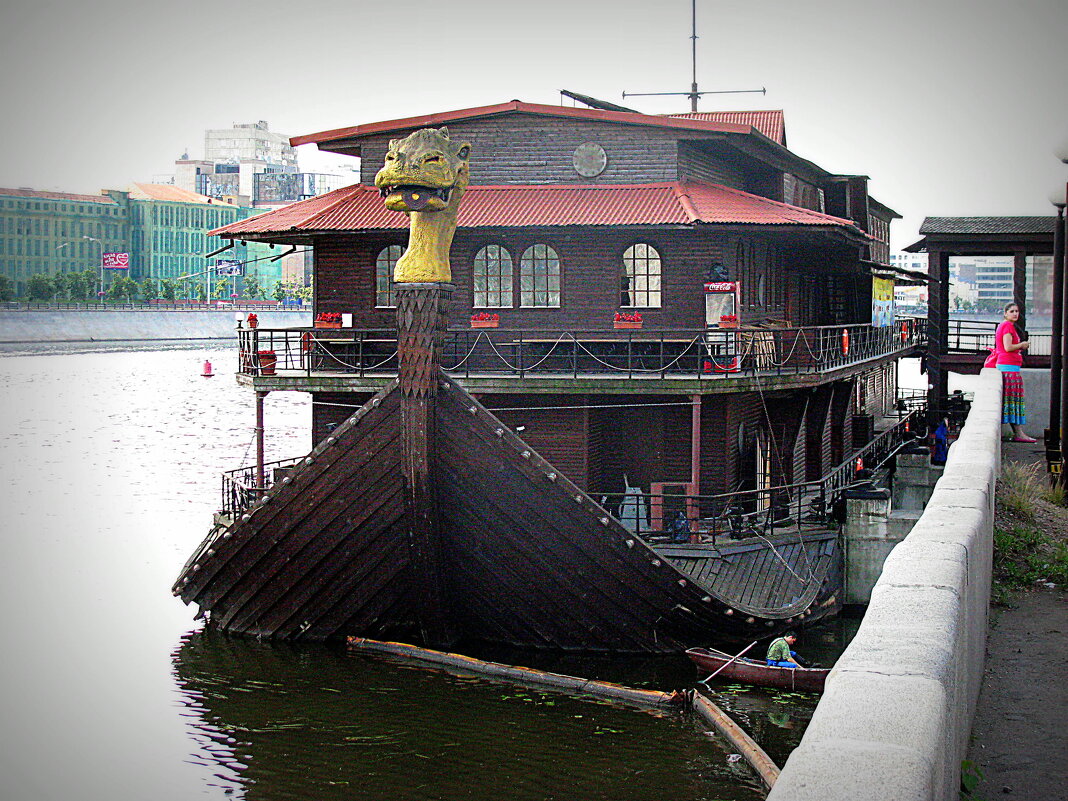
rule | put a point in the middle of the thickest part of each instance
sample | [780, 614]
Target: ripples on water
[110, 465]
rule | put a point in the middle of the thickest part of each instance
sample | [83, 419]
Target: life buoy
[860, 465]
[845, 342]
[904, 332]
[306, 341]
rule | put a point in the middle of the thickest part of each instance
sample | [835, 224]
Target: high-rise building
[253, 163]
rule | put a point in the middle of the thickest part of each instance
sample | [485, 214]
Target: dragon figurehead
[425, 176]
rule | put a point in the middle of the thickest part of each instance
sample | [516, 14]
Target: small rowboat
[750, 671]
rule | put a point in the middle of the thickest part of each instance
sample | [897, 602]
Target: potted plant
[268, 360]
[252, 320]
[328, 320]
[728, 321]
[485, 320]
[627, 320]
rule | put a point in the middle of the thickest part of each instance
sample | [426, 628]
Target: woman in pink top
[1009, 348]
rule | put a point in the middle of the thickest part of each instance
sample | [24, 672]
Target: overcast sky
[953, 108]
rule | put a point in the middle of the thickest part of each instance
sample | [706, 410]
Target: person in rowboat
[779, 653]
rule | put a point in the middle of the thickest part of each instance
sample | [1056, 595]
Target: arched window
[640, 283]
[384, 266]
[493, 278]
[539, 277]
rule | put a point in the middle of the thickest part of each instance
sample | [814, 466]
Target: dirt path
[1020, 733]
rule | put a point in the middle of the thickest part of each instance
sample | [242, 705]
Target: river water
[109, 468]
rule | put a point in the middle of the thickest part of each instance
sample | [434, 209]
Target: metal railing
[759, 512]
[977, 336]
[745, 513]
[239, 487]
[622, 353]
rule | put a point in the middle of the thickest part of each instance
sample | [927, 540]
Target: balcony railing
[977, 336]
[240, 489]
[489, 353]
[761, 512]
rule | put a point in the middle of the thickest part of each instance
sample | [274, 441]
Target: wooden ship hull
[424, 518]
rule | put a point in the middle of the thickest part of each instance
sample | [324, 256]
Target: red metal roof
[517, 106]
[360, 208]
[770, 123]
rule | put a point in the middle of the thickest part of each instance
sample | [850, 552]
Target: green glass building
[163, 229]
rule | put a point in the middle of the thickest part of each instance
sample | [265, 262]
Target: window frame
[387, 258]
[505, 273]
[632, 277]
[529, 262]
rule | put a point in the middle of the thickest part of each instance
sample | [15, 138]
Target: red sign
[116, 261]
[721, 286]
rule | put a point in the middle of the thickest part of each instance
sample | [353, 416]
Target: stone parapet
[896, 715]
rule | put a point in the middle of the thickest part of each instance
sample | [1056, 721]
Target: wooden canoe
[750, 671]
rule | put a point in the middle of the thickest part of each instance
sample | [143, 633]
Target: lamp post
[1058, 418]
[1054, 434]
[94, 239]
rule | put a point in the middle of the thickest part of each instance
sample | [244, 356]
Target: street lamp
[1054, 437]
[94, 239]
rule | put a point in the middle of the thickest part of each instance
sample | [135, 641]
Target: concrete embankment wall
[117, 325]
[896, 716]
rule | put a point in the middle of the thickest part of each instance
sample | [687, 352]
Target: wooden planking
[752, 579]
[550, 521]
[270, 524]
[272, 567]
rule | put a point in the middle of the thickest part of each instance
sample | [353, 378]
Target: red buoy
[207, 370]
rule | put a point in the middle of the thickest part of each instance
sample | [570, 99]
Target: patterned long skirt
[1012, 399]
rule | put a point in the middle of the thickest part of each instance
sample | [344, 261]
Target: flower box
[268, 360]
[485, 323]
[327, 324]
[728, 323]
[627, 323]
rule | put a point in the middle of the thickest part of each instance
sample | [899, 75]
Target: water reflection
[109, 466]
[311, 722]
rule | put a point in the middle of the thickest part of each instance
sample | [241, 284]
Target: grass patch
[1020, 485]
[1024, 556]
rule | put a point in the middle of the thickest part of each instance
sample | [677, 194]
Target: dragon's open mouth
[416, 197]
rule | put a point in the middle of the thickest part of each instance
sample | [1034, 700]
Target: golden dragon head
[425, 176]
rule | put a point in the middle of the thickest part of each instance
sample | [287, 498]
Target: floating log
[646, 699]
[746, 745]
[523, 675]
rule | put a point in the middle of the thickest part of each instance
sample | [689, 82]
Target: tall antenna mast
[693, 94]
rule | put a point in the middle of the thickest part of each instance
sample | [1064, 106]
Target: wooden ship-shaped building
[620, 428]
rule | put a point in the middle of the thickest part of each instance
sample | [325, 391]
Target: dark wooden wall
[591, 263]
[329, 409]
[528, 149]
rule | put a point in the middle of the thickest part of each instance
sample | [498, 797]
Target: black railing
[758, 512]
[977, 336]
[675, 353]
[240, 490]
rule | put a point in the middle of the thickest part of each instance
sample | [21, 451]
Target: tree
[200, 293]
[83, 285]
[279, 292]
[40, 287]
[121, 289]
[7, 289]
[252, 287]
[167, 289]
[148, 289]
